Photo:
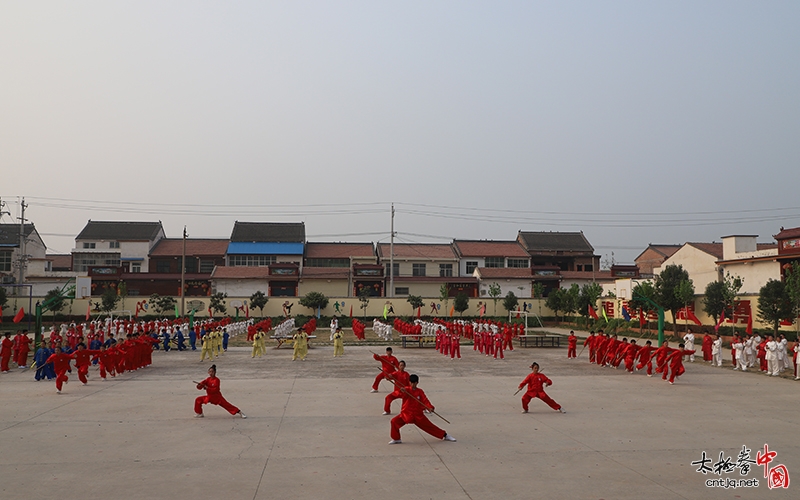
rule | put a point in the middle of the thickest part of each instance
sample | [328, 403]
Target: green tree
[685, 293]
[666, 283]
[363, 297]
[639, 295]
[314, 301]
[494, 293]
[555, 301]
[590, 293]
[122, 291]
[444, 295]
[109, 299]
[217, 303]
[56, 301]
[774, 304]
[161, 305]
[461, 303]
[510, 301]
[258, 300]
[714, 300]
[792, 277]
[570, 300]
[415, 301]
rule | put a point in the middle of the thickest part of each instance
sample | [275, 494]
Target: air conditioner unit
[8, 280]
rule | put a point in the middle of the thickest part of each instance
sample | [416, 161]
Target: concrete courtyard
[315, 431]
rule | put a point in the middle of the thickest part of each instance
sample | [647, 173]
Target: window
[588, 267]
[136, 267]
[418, 270]
[162, 266]
[113, 244]
[445, 270]
[5, 261]
[579, 267]
[471, 265]
[88, 245]
[328, 262]
[517, 262]
[401, 290]
[82, 261]
[251, 260]
[206, 266]
[495, 261]
[395, 268]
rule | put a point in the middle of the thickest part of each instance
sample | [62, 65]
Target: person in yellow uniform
[206, 349]
[338, 342]
[263, 342]
[300, 345]
[217, 343]
[257, 338]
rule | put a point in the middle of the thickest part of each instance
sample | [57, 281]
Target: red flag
[210, 312]
[641, 318]
[592, 312]
[89, 311]
[749, 324]
[351, 310]
[418, 311]
[247, 311]
[20, 315]
[721, 319]
[452, 310]
[692, 317]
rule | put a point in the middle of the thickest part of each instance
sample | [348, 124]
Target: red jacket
[414, 401]
[536, 382]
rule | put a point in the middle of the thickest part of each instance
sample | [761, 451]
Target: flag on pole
[625, 313]
[89, 311]
[418, 312]
[592, 312]
[641, 319]
[749, 329]
[20, 315]
[721, 319]
[177, 313]
[385, 310]
[351, 310]
[603, 312]
[452, 310]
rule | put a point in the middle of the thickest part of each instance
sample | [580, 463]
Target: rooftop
[269, 232]
[123, 231]
[553, 241]
[417, 251]
[339, 250]
[194, 247]
[486, 248]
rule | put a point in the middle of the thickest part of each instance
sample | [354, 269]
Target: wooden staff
[518, 391]
[403, 389]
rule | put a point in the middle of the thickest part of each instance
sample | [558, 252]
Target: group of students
[769, 353]
[15, 350]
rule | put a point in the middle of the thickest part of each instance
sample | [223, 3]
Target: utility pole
[391, 257]
[183, 275]
[23, 258]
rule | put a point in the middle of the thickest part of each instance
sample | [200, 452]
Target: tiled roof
[485, 248]
[240, 272]
[788, 233]
[60, 261]
[417, 251]
[338, 250]
[9, 233]
[766, 246]
[194, 247]
[714, 249]
[551, 241]
[587, 275]
[269, 232]
[325, 272]
[124, 231]
[505, 273]
[665, 251]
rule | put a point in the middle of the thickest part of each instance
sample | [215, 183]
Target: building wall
[702, 267]
[523, 289]
[649, 260]
[240, 288]
[754, 275]
[329, 288]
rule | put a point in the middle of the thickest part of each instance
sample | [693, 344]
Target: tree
[122, 291]
[259, 300]
[555, 301]
[363, 297]
[444, 294]
[590, 293]
[792, 277]
[217, 303]
[161, 305]
[109, 299]
[569, 303]
[666, 284]
[685, 293]
[714, 300]
[314, 301]
[494, 293]
[510, 301]
[643, 296]
[774, 304]
[415, 301]
[461, 303]
[56, 301]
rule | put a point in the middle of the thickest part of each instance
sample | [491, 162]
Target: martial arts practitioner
[388, 366]
[688, 340]
[6, 347]
[40, 359]
[213, 395]
[334, 327]
[300, 345]
[179, 338]
[338, 342]
[741, 357]
[572, 345]
[61, 365]
[706, 348]
[675, 363]
[591, 342]
[24, 349]
[399, 379]
[772, 357]
[205, 350]
[630, 355]
[796, 350]
[536, 383]
[257, 344]
[645, 358]
[716, 351]
[414, 402]
[193, 338]
[83, 359]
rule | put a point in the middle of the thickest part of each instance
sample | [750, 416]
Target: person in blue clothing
[225, 338]
[43, 370]
[193, 338]
[95, 345]
[156, 345]
[110, 341]
[179, 339]
[166, 339]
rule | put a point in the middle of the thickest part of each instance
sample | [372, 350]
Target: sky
[634, 122]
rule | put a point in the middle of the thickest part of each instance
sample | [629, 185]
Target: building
[31, 258]
[259, 244]
[341, 269]
[567, 251]
[490, 254]
[755, 263]
[788, 248]
[654, 256]
[422, 268]
[121, 245]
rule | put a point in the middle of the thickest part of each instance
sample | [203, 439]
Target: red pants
[83, 371]
[378, 379]
[387, 404]
[61, 378]
[541, 395]
[421, 421]
[649, 367]
[4, 362]
[572, 352]
[22, 358]
[218, 400]
[455, 351]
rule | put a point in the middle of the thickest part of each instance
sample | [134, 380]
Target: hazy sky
[635, 122]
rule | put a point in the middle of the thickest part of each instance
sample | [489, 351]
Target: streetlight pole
[183, 275]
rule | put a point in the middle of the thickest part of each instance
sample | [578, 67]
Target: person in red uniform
[6, 347]
[414, 402]
[707, 341]
[24, 349]
[675, 362]
[399, 379]
[645, 358]
[388, 366]
[591, 342]
[61, 366]
[572, 345]
[536, 382]
[630, 355]
[213, 395]
[83, 359]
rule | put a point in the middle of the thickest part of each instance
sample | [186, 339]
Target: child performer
[300, 345]
[675, 362]
[399, 379]
[536, 382]
[572, 343]
[414, 401]
[213, 395]
[338, 342]
[61, 365]
[388, 365]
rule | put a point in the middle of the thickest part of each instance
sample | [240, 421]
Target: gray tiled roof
[549, 241]
[127, 231]
[9, 233]
[269, 232]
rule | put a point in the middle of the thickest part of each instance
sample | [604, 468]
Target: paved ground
[315, 431]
